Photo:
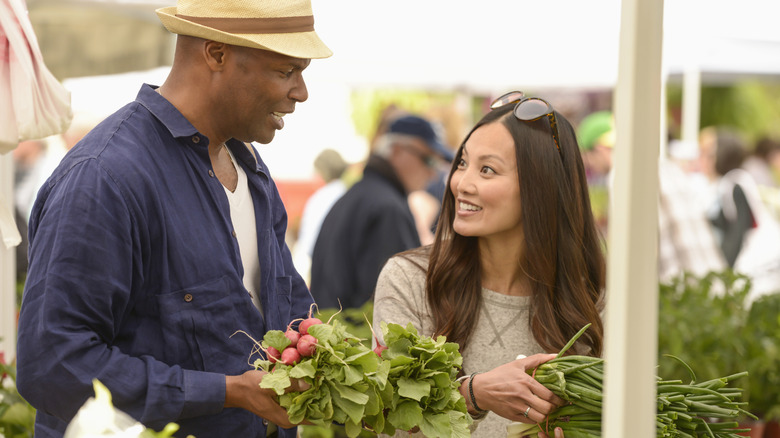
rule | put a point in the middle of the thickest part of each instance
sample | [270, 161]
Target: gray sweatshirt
[501, 334]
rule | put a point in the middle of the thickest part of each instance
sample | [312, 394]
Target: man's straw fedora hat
[282, 26]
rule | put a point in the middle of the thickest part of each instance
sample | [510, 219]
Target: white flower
[99, 418]
[8, 383]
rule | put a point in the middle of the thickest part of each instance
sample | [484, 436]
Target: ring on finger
[527, 411]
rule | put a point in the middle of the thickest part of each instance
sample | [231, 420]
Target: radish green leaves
[412, 385]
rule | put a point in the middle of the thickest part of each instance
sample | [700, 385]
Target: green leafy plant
[408, 385]
[707, 322]
[355, 320]
[347, 381]
[17, 417]
[423, 375]
[701, 321]
[762, 331]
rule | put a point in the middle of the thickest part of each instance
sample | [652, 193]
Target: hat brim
[443, 151]
[305, 45]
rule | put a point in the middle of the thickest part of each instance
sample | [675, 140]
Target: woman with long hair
[516, 268]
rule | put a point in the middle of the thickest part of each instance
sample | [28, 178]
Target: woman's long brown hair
[563, 256]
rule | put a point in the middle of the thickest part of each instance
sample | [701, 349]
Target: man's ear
[215, 54]
[393, 151]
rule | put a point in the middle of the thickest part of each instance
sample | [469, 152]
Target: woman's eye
[461, 163]
[488, 170]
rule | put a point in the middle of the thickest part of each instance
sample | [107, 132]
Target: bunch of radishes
[302, 344]
[353, 385]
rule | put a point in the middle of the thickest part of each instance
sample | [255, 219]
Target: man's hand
[244, 392]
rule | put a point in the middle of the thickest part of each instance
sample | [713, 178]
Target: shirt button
[234, 233]
[188, 297]
[195, 139]
[265, 422]
[211, 173]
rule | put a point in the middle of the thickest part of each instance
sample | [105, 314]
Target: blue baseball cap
[419, 127]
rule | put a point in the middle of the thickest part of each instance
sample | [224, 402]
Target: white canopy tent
[441, 45]
[495, 46]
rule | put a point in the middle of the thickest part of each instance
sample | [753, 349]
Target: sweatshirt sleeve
[400, 296]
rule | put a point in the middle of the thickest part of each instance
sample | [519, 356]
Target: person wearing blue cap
[373, 221]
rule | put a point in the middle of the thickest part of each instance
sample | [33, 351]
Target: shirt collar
[165, 112]
[180, 127]
[380, 166]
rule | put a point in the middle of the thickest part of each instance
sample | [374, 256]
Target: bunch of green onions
[706, 409]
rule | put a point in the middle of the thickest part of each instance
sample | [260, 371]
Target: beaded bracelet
[471, 395]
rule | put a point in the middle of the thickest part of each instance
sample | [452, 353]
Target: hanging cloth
[33, 104]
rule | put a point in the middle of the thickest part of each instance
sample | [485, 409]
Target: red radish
[379, 347]
[306, 345]
[273, 354]
[293, 336]
[306, 323]
[290, 356]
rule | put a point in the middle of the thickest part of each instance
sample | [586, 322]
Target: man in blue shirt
[161, 234]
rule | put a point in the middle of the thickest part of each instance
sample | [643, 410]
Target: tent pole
[631, 329]
[7, 269]
[691, 105]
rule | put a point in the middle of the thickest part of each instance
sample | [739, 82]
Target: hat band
[256, 25]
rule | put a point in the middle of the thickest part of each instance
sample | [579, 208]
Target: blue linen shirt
[135, 278]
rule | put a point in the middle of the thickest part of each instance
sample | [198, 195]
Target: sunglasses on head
[530, 109]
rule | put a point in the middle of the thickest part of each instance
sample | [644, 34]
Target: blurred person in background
[330, 166]
[388, 114]
[373, 220]
[516, 266]
[686, 242]
[748, 234]
[424, 203]
[763, 164]
[425, 206]
[162, 233]
[596, 137]
[723, 152]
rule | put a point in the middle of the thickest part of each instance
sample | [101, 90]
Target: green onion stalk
[703, 409]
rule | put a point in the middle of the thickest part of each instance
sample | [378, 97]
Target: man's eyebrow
[297, 63]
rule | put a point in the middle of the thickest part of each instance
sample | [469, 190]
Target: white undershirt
[242, 214]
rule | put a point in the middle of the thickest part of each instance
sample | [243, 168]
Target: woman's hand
[558, 433]
[512, 393]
